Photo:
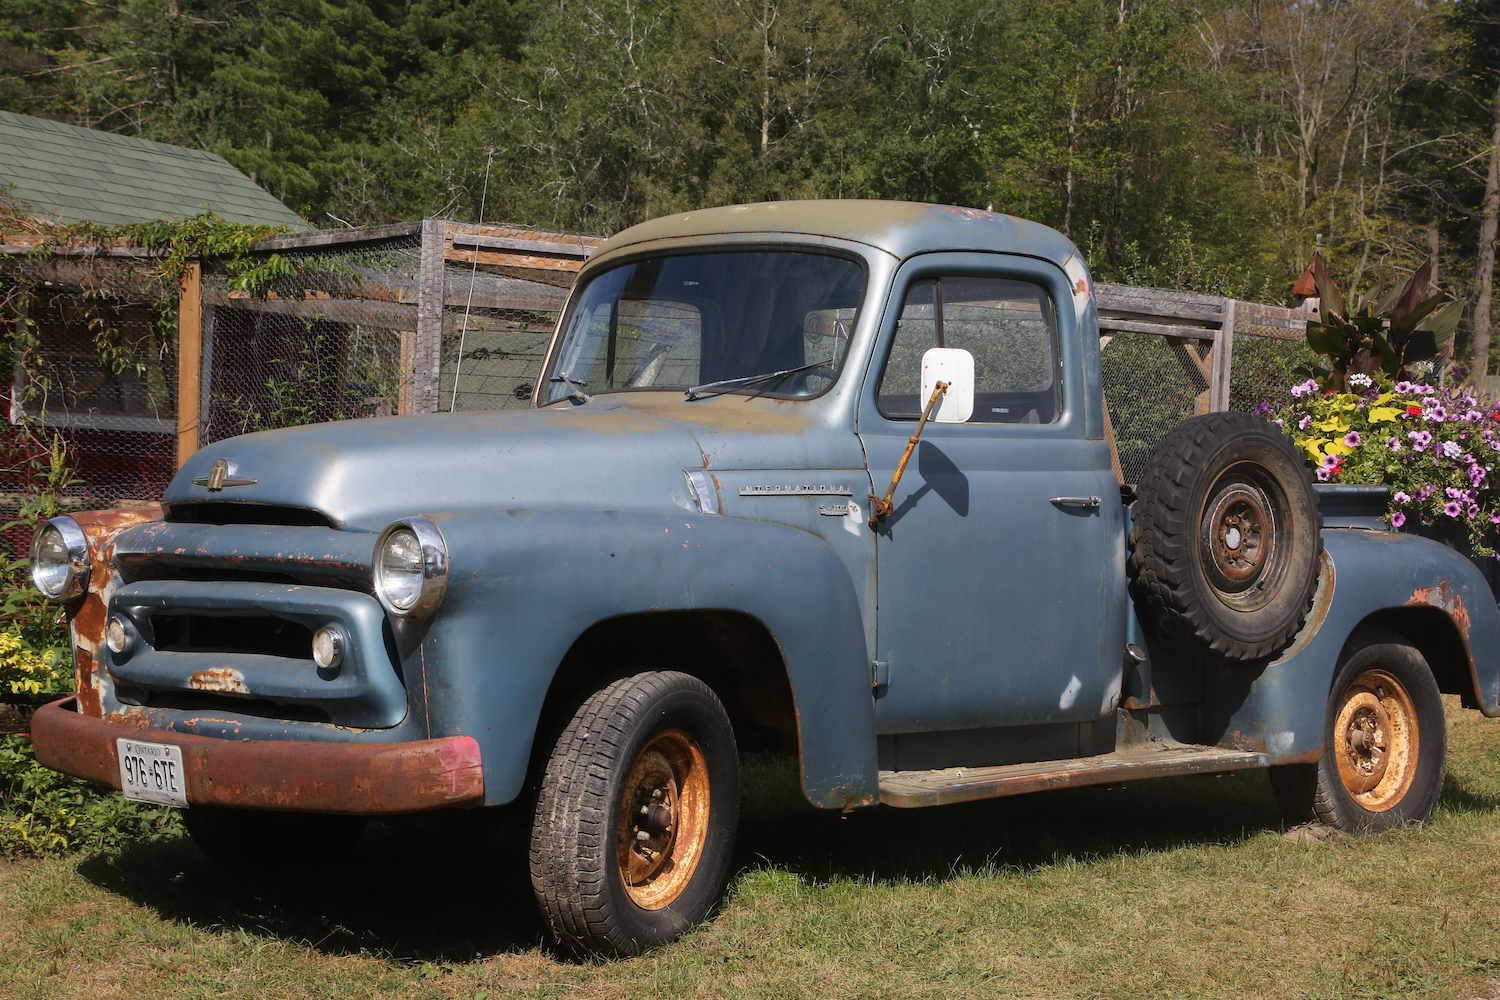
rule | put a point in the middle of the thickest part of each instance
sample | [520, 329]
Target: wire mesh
[1264, 369]
[324, 341]
[95, 375]
[1150, 386]
[495, 332]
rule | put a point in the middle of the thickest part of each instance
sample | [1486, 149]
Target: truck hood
[622, 452]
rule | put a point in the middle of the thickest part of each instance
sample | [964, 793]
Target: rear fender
[525, 584]
[1429, 592]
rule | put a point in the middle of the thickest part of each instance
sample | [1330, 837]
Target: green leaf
[1401, 329]
[1325, 341]
[1390, 361]
[1444, 322]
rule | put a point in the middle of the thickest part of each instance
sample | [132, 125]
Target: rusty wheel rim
[663, 822]
[1375, 740]
[1238, 538]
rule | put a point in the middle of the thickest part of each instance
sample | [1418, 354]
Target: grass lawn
[1176, 887]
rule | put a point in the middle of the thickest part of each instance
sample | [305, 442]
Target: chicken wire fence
[94, 377]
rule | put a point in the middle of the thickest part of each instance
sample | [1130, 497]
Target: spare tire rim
[1375, 740]
[1239, 537]
[663, 820]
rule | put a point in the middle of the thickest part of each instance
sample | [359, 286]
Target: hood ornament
[223, 474]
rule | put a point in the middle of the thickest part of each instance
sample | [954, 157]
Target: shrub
[43, 812]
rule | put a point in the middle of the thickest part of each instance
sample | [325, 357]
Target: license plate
[152, 772]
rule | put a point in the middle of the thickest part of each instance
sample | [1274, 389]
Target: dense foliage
[1256, 127]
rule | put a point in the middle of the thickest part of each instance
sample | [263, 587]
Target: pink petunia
[1352, 439]
[1398, 519]
[1452, 508]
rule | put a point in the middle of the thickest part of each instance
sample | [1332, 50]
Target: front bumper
[360, 779]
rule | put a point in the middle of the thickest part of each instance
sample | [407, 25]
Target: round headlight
[60, 559]
[328, 647]
[411, 567]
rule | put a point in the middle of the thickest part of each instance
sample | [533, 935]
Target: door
[1001, 580]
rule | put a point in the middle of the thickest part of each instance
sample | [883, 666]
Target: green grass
[1172, 888]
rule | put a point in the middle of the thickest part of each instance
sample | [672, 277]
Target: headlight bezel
[75, 543]
[434, 567]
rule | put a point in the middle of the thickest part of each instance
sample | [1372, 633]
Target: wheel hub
[663, 819]
[1375, 740]
[1367, 738]
[1237, 537]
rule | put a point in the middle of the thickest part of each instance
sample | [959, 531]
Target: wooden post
[1223, 360]
[404, 403]
[189, 360]
[427, 347]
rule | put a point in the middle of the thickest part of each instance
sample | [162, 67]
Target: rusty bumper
[362, 779]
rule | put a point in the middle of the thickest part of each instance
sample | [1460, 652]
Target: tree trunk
[1488, 219]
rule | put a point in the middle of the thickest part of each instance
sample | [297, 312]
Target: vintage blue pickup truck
[824, 477]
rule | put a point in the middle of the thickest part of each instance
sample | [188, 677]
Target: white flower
[1360, 379]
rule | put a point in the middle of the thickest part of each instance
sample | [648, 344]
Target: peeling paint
[224, 679]
[1446, 599]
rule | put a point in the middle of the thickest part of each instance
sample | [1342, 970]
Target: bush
[43, 812]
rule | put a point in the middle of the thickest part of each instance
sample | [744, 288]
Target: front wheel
[635, 821]
[1385, 748]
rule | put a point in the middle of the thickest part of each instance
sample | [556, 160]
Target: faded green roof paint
[73, 174]
[899, 228]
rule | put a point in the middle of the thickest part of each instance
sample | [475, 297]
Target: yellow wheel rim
[1375, 740]
[663, 821]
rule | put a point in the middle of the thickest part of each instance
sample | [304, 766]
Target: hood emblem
[223, 474]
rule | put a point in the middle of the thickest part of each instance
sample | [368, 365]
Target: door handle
[1091, 502]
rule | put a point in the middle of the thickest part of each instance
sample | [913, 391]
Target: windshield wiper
[573, 391]
[737, 383]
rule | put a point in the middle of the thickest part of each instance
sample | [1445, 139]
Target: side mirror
[956, 367]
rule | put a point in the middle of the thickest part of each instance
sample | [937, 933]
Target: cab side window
[1009, 326]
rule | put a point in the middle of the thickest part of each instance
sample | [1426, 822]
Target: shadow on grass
[1020, 832]
[446, 892]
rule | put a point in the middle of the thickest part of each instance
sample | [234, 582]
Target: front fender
[1279, 709]
[524, 584]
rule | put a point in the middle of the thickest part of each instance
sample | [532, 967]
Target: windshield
[683, 321]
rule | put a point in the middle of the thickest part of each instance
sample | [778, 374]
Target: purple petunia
[1352, 439]
[1393, 443]
[1321, 473]
[1477, 475]
[1452, 508]
[1425, 492]
[1404, 387]
[1302, 424]
[1473, 510]
[1400, 497]
[1419, 440]
[1436, 414]
[1398, 519]
[1454, 493]
[1451, 449]
[1329, 461]
[1305, 388]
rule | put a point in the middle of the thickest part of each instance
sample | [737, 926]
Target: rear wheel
[260, 839]
[635, 821]
[1385, 744]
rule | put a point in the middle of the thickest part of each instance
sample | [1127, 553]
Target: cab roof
[900, 228]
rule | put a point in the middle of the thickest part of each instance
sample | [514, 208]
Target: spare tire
[1227, 537]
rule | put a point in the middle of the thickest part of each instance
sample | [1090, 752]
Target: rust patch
[368, 779]
[87, 614]
[225, 679]
[1446, 599]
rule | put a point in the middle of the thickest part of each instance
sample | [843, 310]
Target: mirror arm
[880, 507]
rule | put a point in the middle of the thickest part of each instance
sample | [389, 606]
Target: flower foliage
[1436, 448]
[22, 671]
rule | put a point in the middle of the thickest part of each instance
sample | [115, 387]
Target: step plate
[910, 789]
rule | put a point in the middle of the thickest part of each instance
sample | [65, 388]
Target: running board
[910, 789]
